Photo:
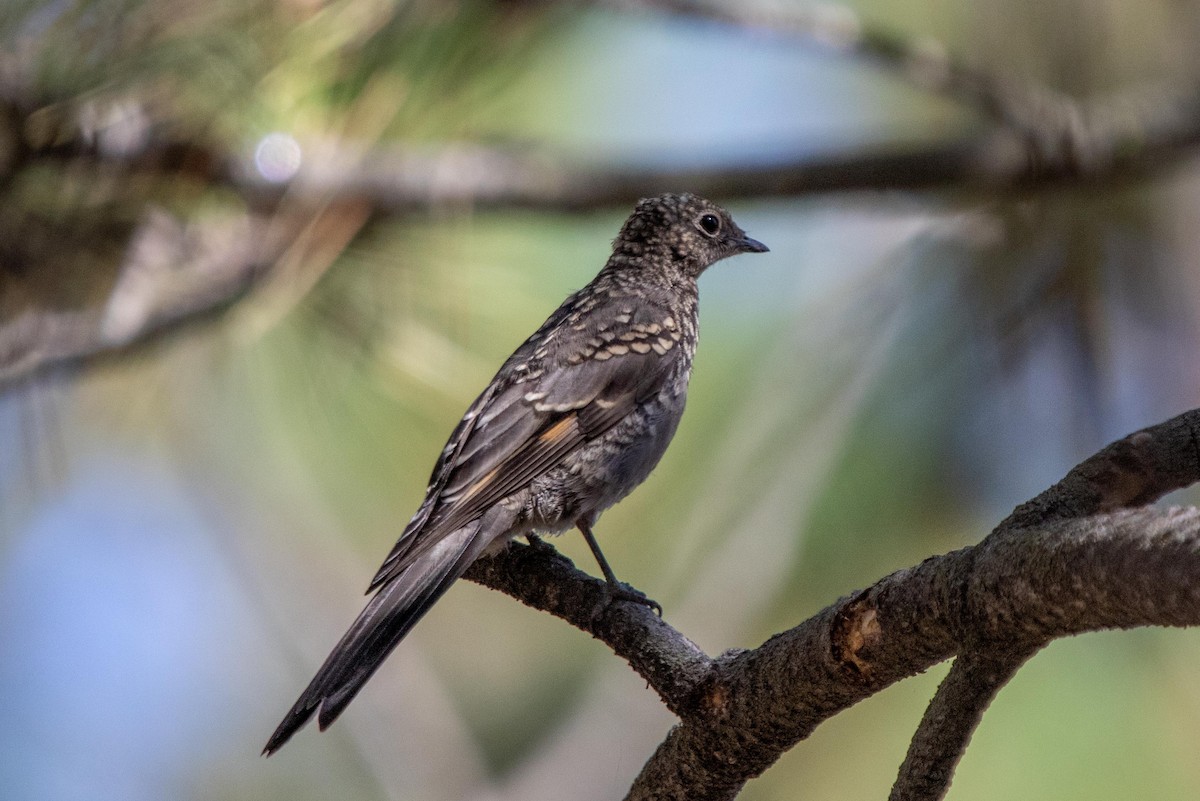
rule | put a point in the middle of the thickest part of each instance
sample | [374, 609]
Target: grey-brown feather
[574, 420]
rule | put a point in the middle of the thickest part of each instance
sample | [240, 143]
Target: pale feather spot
[556, 407]
[666, 343]
[669, 322]
[653, 328]
[659, 349]
[602, 355]
[534, 396]
[639, 347]
[618, 350]
[623, 318]
[488, 417]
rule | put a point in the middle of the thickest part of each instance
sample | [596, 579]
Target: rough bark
[1083, 556]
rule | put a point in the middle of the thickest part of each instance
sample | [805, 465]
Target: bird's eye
[709, 224]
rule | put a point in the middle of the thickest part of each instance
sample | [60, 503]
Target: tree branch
[950, 720]
[1058, 133]
[1042, 139]
[1133, 471]
[839, 27]
[1126, 569]
[541, 577]
[1075, 559]
[396, 182]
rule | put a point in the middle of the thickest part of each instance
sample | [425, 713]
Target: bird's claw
[539, 544]
[623, 592]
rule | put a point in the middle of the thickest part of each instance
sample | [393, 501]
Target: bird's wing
[519, 429]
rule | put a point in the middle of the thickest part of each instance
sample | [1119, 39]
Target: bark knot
[856, 631]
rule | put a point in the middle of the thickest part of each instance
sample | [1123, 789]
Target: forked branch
[1077, 558]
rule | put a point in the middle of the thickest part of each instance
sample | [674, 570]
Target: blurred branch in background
[168, 269]
[1064, 130]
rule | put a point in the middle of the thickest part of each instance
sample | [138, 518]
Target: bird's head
[684, 231]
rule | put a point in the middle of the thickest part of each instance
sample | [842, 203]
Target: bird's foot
[539, 544]
[623, 592]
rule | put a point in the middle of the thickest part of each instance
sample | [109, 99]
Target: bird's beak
[748, 245]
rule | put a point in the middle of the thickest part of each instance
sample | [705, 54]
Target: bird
[574, 420]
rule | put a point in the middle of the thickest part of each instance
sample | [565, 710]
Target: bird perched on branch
[574, 420]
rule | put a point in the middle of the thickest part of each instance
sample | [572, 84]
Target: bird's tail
[389, 615]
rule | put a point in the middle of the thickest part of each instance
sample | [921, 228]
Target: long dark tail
[389, 615]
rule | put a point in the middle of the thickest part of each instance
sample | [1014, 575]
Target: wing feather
[519, 429]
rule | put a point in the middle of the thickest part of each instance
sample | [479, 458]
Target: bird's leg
[538, 543]
[618, 591]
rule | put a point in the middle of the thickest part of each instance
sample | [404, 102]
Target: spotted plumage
[574, 420]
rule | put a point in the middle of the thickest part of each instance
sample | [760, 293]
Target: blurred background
[256, 258]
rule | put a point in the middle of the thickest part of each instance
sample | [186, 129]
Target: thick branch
[1133, 471]
[1020, 587]
[1048, 571]
[542, 578]
[1131, 568]
[951, 719]
[997, 602]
